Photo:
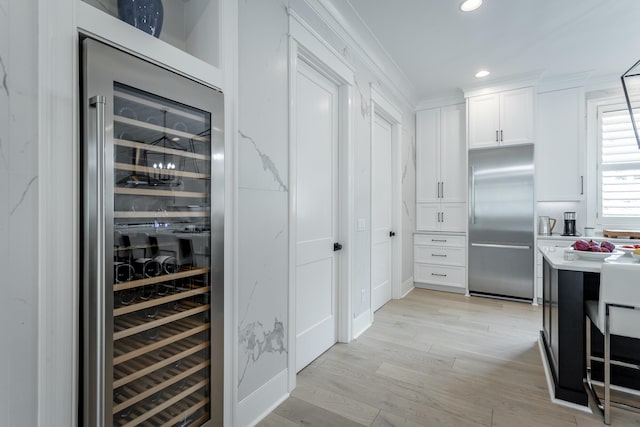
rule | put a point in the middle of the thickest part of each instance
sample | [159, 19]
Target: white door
[381, 219]
[316, 213]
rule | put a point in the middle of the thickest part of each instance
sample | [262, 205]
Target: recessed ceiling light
[469, 5]
[482, 73]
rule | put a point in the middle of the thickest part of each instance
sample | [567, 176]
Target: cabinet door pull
[442, 216]
[497, 136]
[438, 275]
[439, 255]
[442, 189]
[439, 240]
[501, 136]
[582, 185]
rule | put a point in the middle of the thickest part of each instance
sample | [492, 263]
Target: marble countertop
[596, 238]
[556, 257]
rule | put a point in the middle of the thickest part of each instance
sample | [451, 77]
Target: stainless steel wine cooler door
[153, 240]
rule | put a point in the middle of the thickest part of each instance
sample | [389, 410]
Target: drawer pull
[439, 240]
[439, 275]
[440, 255]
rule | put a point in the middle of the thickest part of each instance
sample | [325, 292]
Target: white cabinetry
[559, 146]
[441, 216]
[439, 259]
[501, 118]
[441, 169]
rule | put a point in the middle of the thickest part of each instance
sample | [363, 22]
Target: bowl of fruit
[590, 250]
[627, 249]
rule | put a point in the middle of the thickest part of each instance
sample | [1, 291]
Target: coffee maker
[569, 224]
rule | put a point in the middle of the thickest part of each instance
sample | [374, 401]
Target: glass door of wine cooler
[153, 215]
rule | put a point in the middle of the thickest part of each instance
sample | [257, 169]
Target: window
[618, 166]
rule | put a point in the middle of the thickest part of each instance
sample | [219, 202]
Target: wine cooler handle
[99, 102]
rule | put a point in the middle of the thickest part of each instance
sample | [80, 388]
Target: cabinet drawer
[439, 255]
[439, 275]
[439, 240]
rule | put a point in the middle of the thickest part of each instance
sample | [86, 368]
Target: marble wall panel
[263, 204]
[263, 287]
[18, 213]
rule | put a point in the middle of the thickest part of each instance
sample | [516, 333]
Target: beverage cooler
[152, 275]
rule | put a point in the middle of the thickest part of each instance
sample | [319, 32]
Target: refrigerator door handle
[493, 245]
[473, 195]
[99, 102]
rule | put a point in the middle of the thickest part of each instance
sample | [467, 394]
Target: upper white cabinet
[501, 118]
[441, 155]
[560, 156]
[441, 169]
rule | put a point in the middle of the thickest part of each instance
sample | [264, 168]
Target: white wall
[18, 213]
[263, 183]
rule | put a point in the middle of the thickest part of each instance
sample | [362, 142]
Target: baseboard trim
[361, 323]
[407, 286]
[431, 287]
[261, 403]
[552, 395]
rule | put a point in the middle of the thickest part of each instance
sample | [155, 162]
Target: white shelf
[108, 29]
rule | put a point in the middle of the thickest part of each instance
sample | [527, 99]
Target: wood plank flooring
[436, 359]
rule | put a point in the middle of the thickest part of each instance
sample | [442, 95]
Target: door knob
[337, 246]
[392, 233]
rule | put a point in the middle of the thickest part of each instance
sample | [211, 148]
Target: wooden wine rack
[161, 350]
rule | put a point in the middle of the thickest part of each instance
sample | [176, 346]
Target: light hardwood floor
[436, 359]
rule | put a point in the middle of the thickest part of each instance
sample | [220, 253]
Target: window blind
[619, 166]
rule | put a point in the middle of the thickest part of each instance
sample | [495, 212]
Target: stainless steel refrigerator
[152, 275]
[501, 222]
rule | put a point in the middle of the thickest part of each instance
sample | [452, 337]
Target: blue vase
[145, 15]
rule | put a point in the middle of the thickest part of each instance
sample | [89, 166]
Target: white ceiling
[439, 48]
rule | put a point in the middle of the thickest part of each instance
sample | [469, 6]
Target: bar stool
[617, 312]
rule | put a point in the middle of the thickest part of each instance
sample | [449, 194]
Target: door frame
[386, 109]
[307, 45]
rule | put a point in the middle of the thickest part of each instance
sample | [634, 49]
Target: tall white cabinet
[441, 192]
[560, 154]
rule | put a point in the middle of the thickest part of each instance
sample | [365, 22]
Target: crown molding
[349, 27]
[564, 81]
[452, 98]
[502, 84]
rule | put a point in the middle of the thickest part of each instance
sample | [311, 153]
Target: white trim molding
[58, 183]
[229, 61]
[362, 323]
[308, 46]
[514, 82]
[314, 45]
[253, 408]
[342, 19]
[407, 287]
[443, 101]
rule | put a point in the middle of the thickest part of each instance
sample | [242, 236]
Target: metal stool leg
[607, 370]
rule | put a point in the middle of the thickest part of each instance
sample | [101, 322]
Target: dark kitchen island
[567, 284]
